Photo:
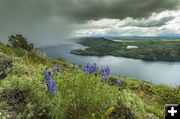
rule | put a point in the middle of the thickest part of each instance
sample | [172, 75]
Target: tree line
[19, 41]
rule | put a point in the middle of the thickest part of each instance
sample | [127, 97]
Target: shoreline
[167, 51]
[148, 60]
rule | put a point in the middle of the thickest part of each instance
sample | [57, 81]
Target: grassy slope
[23, 92]
[164, 49]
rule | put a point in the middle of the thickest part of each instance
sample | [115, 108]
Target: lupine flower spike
[107, 70]
[54, 69]
[118, 82]
[53, 88]
[49, 82]
[89, 68]
[105, 73]
[86, 69]
[93, 68]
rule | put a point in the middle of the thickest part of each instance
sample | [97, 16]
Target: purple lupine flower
[46, 73]
[118, 82]
[49, 82]
[86, 69]
[104, 75]
[53, 88]
[101, 69]
[89, 67]
[54, 69]
[93, 68]
[107, 70]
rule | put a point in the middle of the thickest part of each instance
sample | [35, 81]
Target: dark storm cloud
[50, 20]
[151, 23]
[82, 10]
[29, 12]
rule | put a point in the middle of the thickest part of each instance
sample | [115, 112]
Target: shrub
[131, 104]
[37, 57]
[5, 64]
[154, 111]
[20, 52]
[6, 50]
[83, 97]
[168, 95]
[19, 67]
[26, 96]
[147, 87]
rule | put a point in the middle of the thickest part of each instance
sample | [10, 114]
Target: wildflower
[118, 82]
[54, 69]
[104, 75]
[89, 67]
[101, 69]
[53, 88]
[93, 68]
[86, 69]
[49, 82]
[46, 73]
[105, 72]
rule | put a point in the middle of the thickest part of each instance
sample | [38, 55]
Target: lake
[156, 72]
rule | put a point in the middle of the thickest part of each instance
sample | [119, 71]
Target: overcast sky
[48, 22]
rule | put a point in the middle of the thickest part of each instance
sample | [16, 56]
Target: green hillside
[24, 94]
[146, 49]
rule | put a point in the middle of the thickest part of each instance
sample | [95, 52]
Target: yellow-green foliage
[80, 96]
[168, 95]
[19, 67]
[6, 50]
[23, 92]
[133, 102]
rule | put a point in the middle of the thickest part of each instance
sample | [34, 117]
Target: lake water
[151, 71]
